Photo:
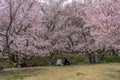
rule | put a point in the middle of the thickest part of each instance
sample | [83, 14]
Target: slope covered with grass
[79, 72]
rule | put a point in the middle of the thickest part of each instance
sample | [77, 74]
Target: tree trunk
[51, 59]
[92, 58]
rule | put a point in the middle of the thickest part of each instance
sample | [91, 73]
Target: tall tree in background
[16, 18]
[29, 27]
[103, 17]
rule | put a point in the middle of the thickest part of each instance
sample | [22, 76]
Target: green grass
[79, 72]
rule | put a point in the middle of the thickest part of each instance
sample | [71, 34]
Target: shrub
[44, 61]
[5, 64]
[39, 61]
[111, 59]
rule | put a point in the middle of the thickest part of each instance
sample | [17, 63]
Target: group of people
[61, 63]
[21, 64]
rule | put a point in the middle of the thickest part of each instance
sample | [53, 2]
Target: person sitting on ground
[23, 64]
[66, 62]
[59, 62]
[14, 65]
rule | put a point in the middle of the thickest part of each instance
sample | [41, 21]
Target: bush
[44, 61]
[39, 61]
[77, 58]
[5, 64]
[74, 59]
[111, 59]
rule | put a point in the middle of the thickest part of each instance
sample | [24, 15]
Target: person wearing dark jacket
[66, 62]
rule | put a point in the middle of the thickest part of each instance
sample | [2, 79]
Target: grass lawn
[79, 72]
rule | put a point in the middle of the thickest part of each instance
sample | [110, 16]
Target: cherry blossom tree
[17, 18]
[104, 21]
[64, 27]
[51, 27]
[35, 27]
